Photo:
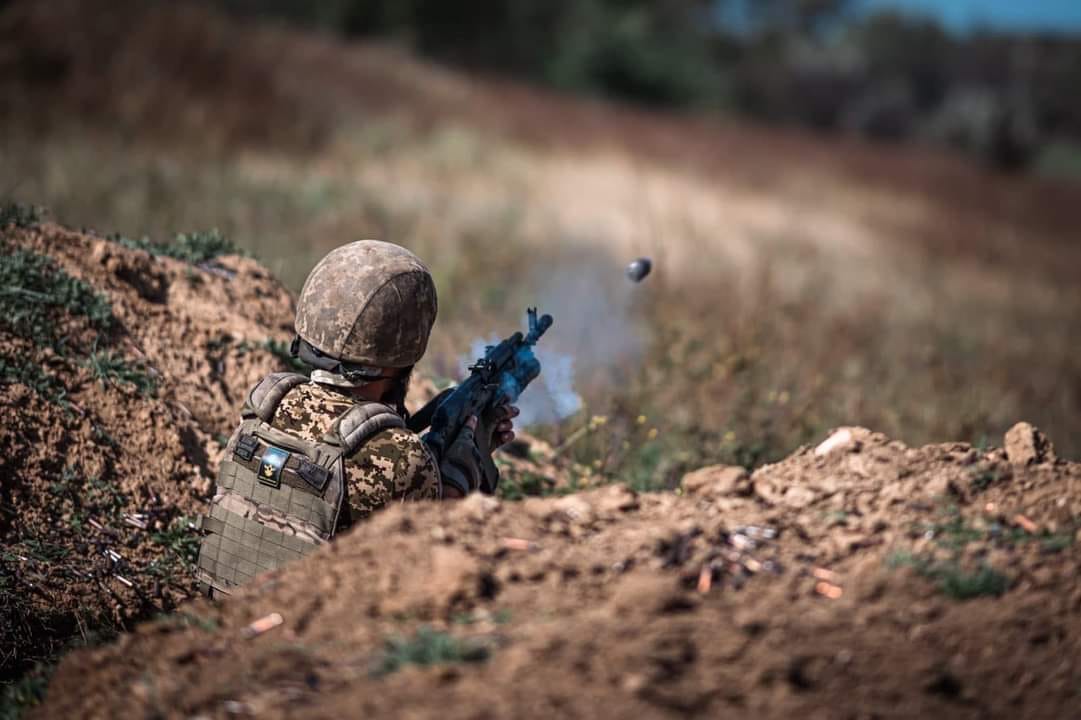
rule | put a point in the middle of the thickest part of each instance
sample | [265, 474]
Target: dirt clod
[716, 481]
[1026, 445]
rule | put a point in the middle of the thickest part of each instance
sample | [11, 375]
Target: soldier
[312, 456]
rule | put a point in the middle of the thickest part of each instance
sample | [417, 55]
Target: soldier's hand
[460, 468]
[503, 432]
[498, 423]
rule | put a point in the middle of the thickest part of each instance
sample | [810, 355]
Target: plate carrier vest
[278, 496]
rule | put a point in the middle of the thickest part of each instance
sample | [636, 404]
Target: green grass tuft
[198, 247]
[22, 216]
[19, 696]
[33, 294]
[955, 533]
[984, 478]
[280, 350]
[111, 368]
[1053, 543]
[277, 348]
[23, 372]
[428, 647]
[520, 485]
[182, 619]
[953, 580]
[180, 540]
[963, 584]
[194, 248]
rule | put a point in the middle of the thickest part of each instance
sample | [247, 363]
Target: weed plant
[952, 535]
[281, 351]
[180, 541]
[21, 695]
[111, 369]
[952, 579]
[38, 301]
[35, 295]
[428, 647]
[194, 248]
[21, 216]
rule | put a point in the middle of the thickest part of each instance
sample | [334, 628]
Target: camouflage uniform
[308, 459]
[394, 465]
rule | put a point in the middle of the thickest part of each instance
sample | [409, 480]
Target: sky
[1061, 15]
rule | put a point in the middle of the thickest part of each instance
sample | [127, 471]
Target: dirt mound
[121, 370]
[861, 578]
[123, 365]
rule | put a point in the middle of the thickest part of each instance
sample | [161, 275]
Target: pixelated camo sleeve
[395, 465]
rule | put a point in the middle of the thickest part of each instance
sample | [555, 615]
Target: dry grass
[800, 284]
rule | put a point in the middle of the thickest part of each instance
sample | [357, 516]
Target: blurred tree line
[1006, 98]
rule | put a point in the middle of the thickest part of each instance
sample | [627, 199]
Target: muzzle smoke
[594, 342]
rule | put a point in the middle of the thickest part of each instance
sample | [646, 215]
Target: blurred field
[800, 284]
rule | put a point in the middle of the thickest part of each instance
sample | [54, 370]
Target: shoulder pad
[360, 423]
[265, 397]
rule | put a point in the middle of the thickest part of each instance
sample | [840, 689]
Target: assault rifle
[497, 378]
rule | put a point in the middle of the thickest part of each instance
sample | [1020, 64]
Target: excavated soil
[98, 482]
[860, 578]
[96, 485]
[816, 587]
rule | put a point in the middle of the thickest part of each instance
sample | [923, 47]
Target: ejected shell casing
[638, 269]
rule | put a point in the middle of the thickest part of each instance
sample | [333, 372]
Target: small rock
[574, 509]
[798, 497]
[941, 485]
[1043, 577]
[478, 507]
[1026, 445]
[634, 682]
[615, 499]
[717, 480]
[842, 439]
[202, 486]
[100, 251]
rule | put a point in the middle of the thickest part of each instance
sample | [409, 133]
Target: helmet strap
[359, 375]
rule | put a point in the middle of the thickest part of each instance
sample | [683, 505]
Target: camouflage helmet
[367, 304]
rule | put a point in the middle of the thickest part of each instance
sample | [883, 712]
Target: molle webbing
[298, 471]
[253, 528]
[308, 466]
[238, 548]
[295, 499]
[279, 496]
